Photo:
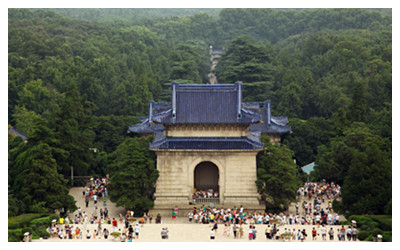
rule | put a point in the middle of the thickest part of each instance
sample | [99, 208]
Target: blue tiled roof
[209, 104]
[277, 125]
[206, 104]
[204, 143]
[145, 127]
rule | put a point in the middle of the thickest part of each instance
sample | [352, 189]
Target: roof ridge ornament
[174, 101]
[268, 105]
[150, 111]
[239, 101]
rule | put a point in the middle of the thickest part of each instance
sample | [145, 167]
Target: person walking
[331, 234]
[114, 224]
[250, 233]
[130, 230]
[342, 233]
[215, 227]
[163, 233]
[268, 232]
[176, 210]
[349, 232]
[254, 232]
[123, 237]
[354, 233]
[323, 232]
[212, 234]
[173, 214]
[137, 231]
[234, 228]
[314, 233]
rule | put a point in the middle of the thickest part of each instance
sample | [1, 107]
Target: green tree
[245, 60]
[38, 98]
[24, 120]
[37, 181]
[74, 134]
[362, 162]
[277, 179]
[133, 174]
[358, 105]
[306, 136]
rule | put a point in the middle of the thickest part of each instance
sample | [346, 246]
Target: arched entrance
[206, 176]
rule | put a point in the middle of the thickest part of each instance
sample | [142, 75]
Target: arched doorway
[206, 176]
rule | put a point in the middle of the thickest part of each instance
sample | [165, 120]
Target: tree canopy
[133, 174]
[277, 178]
[362, 162]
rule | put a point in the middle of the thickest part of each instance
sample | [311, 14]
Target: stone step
[165, 210]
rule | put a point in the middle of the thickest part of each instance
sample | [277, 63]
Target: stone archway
[206, 176]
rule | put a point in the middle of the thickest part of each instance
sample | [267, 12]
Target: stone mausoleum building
[206, 137]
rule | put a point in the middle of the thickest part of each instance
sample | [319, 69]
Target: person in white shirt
[137, 231]
[61, 234]
[323, 232]
[212, 234]
[190, 216]
[317, 219]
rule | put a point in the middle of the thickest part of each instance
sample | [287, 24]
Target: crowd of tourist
[315, 209]
[76, 226]
[209, 193]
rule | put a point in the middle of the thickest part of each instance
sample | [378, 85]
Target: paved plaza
[180, 230]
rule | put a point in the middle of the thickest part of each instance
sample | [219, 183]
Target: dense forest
[78, 78]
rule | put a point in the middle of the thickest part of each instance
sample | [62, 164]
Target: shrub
[115, 234]
[369, 238]
[15, 235]
[362, 235]
[39, 207]
[364, 222]
[384, 221]
[346, 222]
[41, 232]
[54, 216]
[387, 236]
[22, 220]
[376, 231]
[44, 221]
[286, 235]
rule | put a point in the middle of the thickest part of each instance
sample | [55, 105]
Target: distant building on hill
[15, 132]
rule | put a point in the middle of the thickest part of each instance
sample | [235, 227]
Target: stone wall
[237, 175]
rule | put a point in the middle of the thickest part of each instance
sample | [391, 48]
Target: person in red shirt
[314, 233]
[115, 224]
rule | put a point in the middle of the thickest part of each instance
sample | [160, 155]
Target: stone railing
[207, 200]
